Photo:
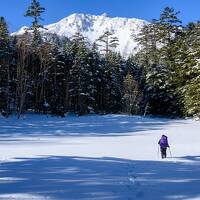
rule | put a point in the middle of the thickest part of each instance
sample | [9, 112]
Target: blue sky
[13, 10]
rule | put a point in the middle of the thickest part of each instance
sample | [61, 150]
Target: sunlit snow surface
[98, 157]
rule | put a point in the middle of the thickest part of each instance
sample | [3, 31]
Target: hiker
[163, 142]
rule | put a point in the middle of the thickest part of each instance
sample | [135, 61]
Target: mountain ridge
[93, 26]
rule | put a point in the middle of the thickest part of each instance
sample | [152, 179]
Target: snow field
[98, 157]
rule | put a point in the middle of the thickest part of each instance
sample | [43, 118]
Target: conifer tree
[35, 64]
[115, 82]
[95, 82]
[5, 74]
[188, 70]
[80, 76]
[157, 40]
[107, 43]
[34, 11]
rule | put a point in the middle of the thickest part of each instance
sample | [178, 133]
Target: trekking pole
[158, 151]
[170, 152]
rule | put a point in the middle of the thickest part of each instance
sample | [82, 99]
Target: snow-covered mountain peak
[93, 26]
[104, 15]
[22, 30]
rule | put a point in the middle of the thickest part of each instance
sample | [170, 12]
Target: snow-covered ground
[95, 157]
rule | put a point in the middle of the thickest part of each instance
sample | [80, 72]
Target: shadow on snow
[74, 178]
[106, 125]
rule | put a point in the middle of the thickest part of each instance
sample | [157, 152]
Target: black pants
[163, 152]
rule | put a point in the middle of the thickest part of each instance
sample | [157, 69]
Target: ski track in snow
[110, 157]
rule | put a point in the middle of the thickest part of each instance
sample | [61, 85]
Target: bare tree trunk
[66, 96]
[22, 77]
[146, 108]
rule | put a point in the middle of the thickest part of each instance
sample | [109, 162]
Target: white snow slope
[92, 26]
[95, 157]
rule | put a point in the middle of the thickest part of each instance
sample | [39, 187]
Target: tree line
[44, 73]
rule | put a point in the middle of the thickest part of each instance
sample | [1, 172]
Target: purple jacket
[163, 142]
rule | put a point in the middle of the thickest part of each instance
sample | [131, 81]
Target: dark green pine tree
[170, 29]
[34, 59]
[147, 59]
[188, 69]
[107, 43]
[95, 82]
[115, 66]
[5, 73]
[56, 80]
[154, 73]
[169, 26]
[148, 39]
[158, 40]
[99, 79]
[80, 77]
[34, 11]
[12, 76]
[67, 56]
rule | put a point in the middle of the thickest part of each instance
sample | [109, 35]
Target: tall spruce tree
[95, 82]
[115, 82]
[188, 69]
[5, 60]
[34, 11]
[81, 76]
[157, 40]
[170, 29]
[107, 43]
[35, 60]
